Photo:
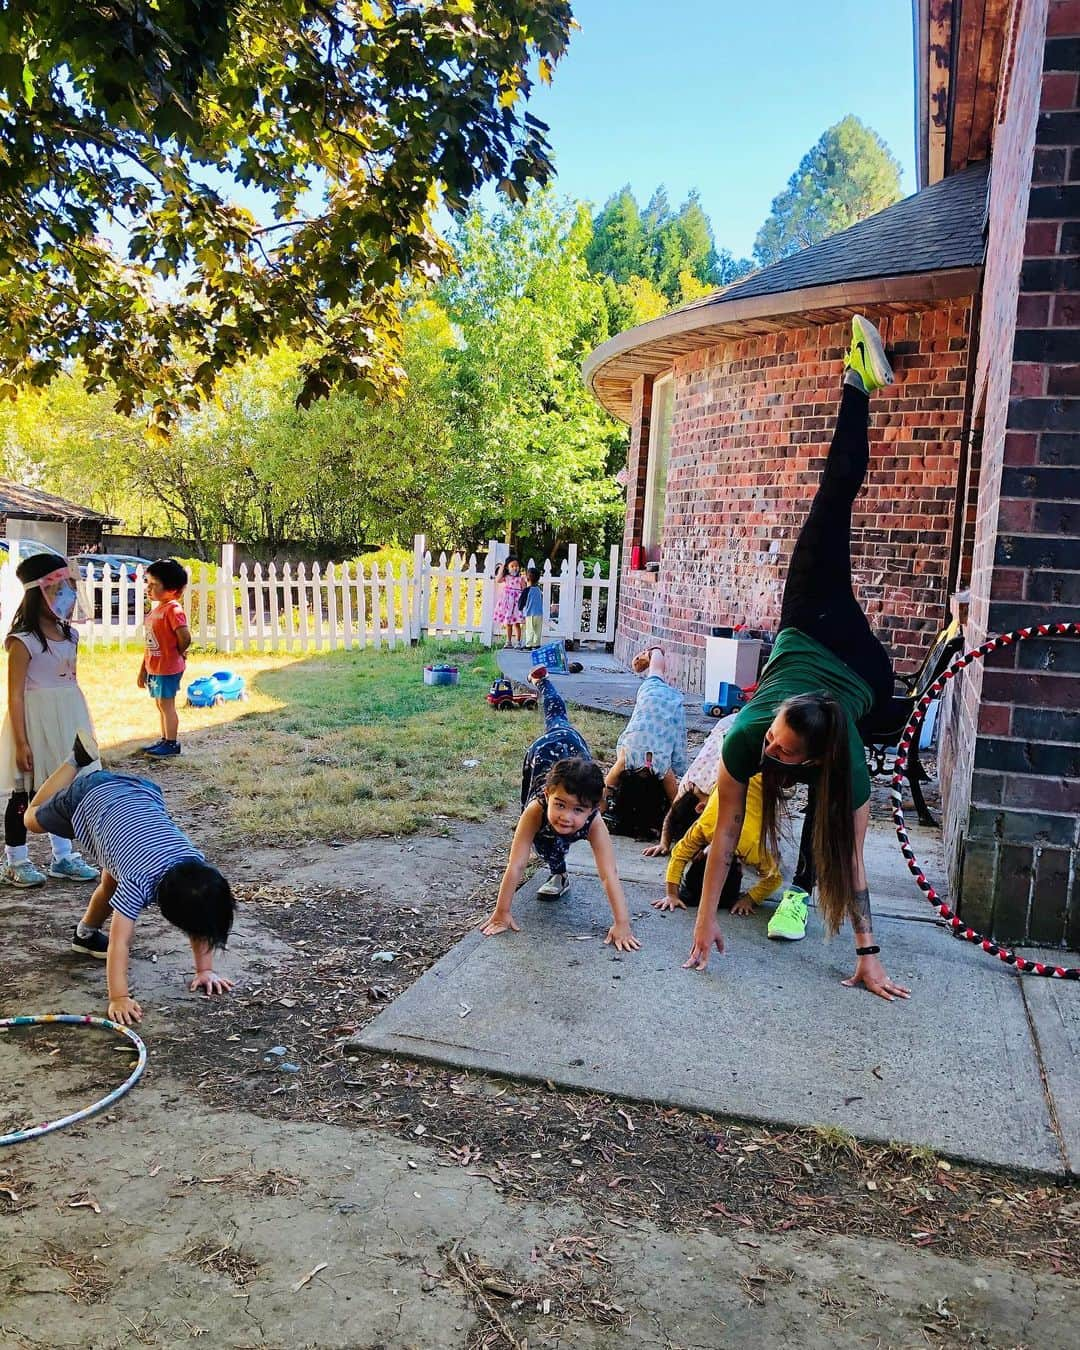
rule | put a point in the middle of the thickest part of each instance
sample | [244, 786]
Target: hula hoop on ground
[47, 1127]
[957, 924]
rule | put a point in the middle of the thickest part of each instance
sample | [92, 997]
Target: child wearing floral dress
[509, 583]
[45, 708]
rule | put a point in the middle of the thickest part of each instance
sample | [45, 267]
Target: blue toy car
[210, 690]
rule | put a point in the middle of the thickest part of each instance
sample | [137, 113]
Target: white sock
[84, 929]
[16, 852]
[61, 847]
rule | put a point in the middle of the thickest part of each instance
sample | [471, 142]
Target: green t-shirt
[799, 665]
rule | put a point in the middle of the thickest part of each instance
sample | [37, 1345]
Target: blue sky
[724, 96]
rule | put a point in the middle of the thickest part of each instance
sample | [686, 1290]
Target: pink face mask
[60, 593]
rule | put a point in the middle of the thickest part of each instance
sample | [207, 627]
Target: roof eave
[653, 347]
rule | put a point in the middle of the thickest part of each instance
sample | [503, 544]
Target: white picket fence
[344, 605]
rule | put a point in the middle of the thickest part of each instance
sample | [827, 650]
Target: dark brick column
[1021, 869]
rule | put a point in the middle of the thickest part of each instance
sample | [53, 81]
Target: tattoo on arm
[860, 913]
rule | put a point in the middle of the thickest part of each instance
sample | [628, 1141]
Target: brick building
[975, 472]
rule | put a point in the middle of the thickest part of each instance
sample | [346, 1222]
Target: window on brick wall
[652, 530]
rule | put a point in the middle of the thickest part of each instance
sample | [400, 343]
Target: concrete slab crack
[1044, 1077]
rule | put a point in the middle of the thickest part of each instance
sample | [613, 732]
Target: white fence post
[612, 596]
[225, 617]
[417, 617]
[496, 552]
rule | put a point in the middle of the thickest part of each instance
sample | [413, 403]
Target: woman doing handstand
[827, 671]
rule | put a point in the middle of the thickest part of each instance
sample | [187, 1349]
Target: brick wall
[1011, 756]
[751, 427]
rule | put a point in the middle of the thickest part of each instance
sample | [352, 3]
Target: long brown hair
[821, 724]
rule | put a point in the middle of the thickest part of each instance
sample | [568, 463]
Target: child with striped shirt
[145, 859]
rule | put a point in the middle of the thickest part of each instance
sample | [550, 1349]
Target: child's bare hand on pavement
[125, 1011]
[660, 850]
[743, 906]
[668, 902]
[210, 983]
[623, 939]
[500, 923]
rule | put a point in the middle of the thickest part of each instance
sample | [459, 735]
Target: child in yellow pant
[699, 837]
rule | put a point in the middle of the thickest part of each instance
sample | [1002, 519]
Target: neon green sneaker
[788, 923]
[867, 356]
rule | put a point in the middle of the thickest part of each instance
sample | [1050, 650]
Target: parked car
[92, 569]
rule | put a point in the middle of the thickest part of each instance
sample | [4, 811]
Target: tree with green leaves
[848, 175]
[533, 453]
[188, 183]
[618, 247]
[652, 260]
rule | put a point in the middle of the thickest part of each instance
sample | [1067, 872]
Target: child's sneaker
[788, 923]
[73, 868]
[163, 749]
[22, 873]
[867, 356]
[94, 944]
[555, 887]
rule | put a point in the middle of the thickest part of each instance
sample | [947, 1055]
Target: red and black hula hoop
[957, 924]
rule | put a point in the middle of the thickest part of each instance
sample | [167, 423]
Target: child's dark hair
[580, 778]
[684, 811]
[32, 608]
[172, 575]
[533, 573]
[197, 899]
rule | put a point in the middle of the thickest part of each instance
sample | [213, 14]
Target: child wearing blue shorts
[167, 639]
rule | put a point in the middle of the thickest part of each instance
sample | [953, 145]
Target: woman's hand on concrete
[870, 973]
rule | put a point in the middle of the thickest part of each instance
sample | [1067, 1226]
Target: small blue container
[440, 674]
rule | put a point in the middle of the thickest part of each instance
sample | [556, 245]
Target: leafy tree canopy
[534, 452]
[848, 175]
[655, 259]
[128, 129]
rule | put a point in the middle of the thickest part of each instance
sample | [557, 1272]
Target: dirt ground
[267, 1184]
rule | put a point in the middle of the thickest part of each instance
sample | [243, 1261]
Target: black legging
[818, 599]
[14, 825]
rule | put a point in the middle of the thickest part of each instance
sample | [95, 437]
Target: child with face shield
[45, 708]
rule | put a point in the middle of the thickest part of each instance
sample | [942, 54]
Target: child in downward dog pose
[692, 827]
[45, 709]
[655, 736]
[147, 860]
[561, 790]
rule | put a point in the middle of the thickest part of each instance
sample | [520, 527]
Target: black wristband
[867, 951]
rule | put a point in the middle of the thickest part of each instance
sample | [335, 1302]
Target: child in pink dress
[509, 583]
[45, 709]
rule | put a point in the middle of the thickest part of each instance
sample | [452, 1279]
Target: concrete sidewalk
[767, 1032]
[605, 685]
[981, 1063]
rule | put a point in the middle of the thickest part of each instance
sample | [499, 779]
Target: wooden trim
[653, 347]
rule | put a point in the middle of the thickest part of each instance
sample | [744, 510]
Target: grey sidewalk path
[605, 684]
[980, 1063]
[767, 1032]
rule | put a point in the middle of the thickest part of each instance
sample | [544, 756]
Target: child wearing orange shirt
[167, 639]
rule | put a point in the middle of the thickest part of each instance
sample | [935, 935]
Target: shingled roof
[923, 250]
[938, 228]
[26, 503]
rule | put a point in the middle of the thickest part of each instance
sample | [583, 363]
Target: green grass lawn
[343, 745]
